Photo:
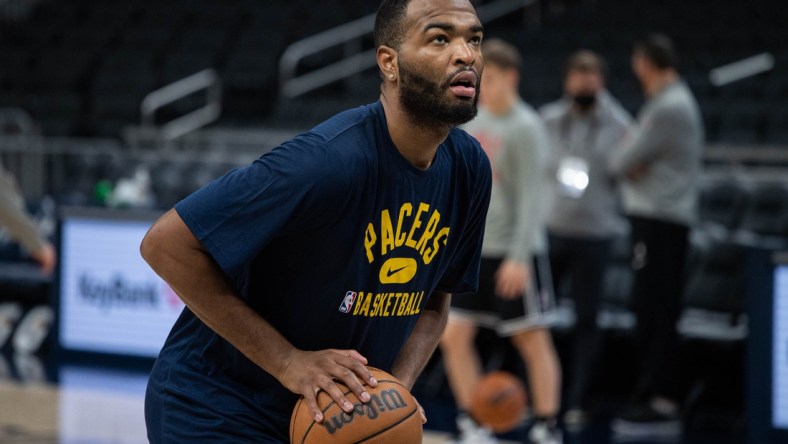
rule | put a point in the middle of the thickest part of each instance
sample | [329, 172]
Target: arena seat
[722, 204]
[765, 219]
[714, 293]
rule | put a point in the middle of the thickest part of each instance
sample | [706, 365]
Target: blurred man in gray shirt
[659, 171]
[515, 292]
[584, 127]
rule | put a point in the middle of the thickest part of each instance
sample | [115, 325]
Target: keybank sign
[110, 300]
[117, 292]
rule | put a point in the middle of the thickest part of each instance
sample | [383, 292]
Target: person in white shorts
[515, 296]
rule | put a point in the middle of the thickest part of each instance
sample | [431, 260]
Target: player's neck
[659, 81]
[502, 105]
[417, 143]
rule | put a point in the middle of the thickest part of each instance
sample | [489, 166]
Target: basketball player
[338, 249]
[514, 295]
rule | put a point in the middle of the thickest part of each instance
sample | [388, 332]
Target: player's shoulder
[467, 151]
[613, 110]
[334, 142]
[554, 110]
[526, 115]
[353, 124]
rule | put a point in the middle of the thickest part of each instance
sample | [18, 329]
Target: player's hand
[307, 373]
[421, 412]
[511, 279]
[46, 258]
[637, 173]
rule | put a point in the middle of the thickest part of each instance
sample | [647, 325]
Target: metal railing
[292, 85]
[207, 80]
[16, 120]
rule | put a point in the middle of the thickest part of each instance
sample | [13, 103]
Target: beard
[427, 103]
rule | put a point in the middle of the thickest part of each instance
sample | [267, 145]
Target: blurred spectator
[584, 127]
[515, 296]
[21, 227]
[659, 170]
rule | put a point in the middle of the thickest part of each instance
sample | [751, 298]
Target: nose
[464, 54]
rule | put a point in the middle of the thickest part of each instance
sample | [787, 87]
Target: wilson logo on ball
[387, 401]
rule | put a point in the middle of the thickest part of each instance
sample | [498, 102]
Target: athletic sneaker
[9, 315]
[472, 433]
[575, 419]
[544, 433]
[644, 421]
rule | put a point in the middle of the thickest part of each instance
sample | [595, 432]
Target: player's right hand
[46, 258]
[308, 372]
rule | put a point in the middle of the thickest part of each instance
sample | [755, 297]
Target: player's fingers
[349, 377]
[504, 289]
[500, 288]
[422, 413]
[359, 367]
[327, 384]
[356, 355]
[310, 396]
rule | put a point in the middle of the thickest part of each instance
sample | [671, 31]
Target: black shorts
[534, 309]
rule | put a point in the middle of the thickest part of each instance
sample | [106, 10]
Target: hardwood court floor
[44, 413]
[90, 405]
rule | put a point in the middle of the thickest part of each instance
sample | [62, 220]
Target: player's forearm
[423, 340]
[173, 253]
[15, 220]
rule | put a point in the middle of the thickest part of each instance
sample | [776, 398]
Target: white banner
[780, 349]
[110, 300]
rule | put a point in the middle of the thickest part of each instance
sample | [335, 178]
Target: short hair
[501, 54]
[585, 60]
[659, 50]
[389, 22]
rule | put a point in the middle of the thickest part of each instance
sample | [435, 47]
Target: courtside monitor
[109, 300]
[767, 367]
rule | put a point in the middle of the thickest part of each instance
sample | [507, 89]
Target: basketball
[390, 417]
[499, 401]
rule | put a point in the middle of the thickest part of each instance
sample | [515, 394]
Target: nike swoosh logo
[392, 272]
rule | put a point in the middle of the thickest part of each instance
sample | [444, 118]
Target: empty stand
[722, 204]
[88, 48]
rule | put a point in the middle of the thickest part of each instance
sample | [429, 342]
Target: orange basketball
[390, 417]
[498, 401]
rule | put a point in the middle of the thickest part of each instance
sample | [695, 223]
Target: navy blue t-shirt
[337, 241]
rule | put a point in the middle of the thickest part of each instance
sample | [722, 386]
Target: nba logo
[347, 303]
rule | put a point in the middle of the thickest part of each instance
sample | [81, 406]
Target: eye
[440, 39]
[476, 40]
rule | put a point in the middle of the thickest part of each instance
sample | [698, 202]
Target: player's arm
[21, 227]
[423, 340]
[180, 259]
[631, 160]
[528, 158]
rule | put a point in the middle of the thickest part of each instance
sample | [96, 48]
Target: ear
[514, 78]
[387, 61]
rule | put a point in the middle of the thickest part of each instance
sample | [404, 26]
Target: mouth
[464, 84]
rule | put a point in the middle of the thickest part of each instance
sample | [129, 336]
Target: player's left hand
[46, 257]
[511, 279]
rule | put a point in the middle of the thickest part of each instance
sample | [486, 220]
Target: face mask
[585, 101]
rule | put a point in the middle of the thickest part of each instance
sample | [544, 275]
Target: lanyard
[591, 136]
